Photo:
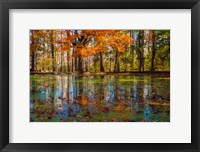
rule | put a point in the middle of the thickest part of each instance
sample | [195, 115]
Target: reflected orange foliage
[83, 101]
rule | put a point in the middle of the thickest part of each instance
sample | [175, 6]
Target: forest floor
[155, 73]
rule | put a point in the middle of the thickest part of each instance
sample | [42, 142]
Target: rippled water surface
[110, 98]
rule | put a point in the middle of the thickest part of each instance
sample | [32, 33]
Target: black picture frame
[5, 5]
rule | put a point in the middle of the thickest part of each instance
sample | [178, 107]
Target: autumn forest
[67, 51]
[99, 75]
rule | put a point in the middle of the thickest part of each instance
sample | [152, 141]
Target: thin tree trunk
[33, 62]
[43, 56]
[68, 63]
[86, 64]
[76, 63]
[133, 59]
[140, 60]
[33, 54]
[140, 50]
[52, 52]
[80, 68]
[53, 60]
[89, 65]
[110, 62]
[61, 62]
[72, 66]
[35, 59]
[153, 50]
[101, 63]
[131, 53]
[116, 68]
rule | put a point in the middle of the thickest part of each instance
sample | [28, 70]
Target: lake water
[110, 98]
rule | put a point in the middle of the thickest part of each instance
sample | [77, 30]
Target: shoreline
[145, 73]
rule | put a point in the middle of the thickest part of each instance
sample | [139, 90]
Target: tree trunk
[101, 63]
[72, 66]
[61, 51]
[80, 68]
[139, 60]
[68, 66]
[116, 68]
[110, 62]
[33, 62]
[132, 59]
[76, 63]
[61, 62]
[35, 59]
[131, 53]
[152, 59]
[53, 60]
[33, 55]
[140, 50]
[142, 60]
[43, 53]
[52, 52]
[86, 64]
[153, 50]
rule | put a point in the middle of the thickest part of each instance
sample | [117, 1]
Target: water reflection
[99, 98]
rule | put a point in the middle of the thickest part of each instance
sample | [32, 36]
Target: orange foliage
[102, 40]
[85, 42]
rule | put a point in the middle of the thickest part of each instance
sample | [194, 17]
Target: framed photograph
[99, 75]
